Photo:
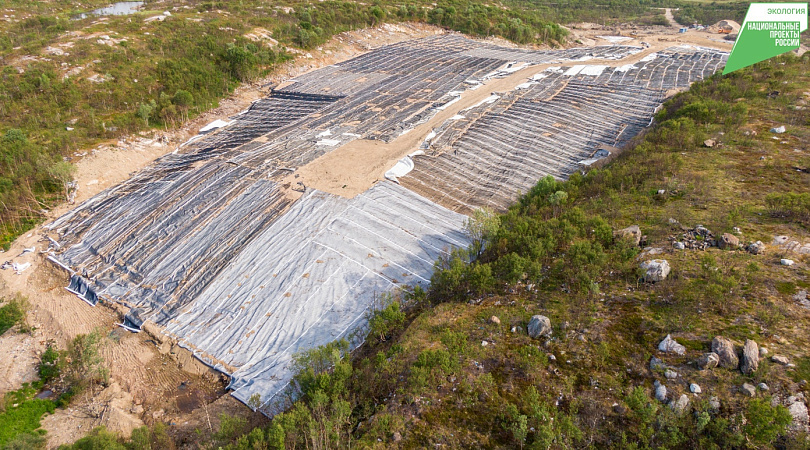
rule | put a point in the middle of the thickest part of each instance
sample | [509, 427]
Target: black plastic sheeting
[79, 286]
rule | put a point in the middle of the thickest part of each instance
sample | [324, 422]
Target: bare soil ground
[152, 382]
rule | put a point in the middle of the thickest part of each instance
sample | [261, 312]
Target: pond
[116, 9]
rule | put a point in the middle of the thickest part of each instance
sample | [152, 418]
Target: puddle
[116, 9]
[47, 393]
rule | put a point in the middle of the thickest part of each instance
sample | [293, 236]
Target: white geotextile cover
[310, 278]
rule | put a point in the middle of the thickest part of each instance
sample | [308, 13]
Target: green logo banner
[769, 29]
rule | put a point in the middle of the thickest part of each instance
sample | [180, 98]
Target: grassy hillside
[455, 367]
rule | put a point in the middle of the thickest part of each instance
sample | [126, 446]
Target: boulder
[678, 245]
[656, 364]
[798, 410]
[670, 374]
[778, 130]
[714, 405]
[680, 405]
[495, 320]
[709, 143]
[669, 345]
[786, 262]
[539, 326]
[655, 270]
[695, 389]
[763, 352]
[632, 234]
[725, 351]
[748, 389]
[763, 387]
[780, 360]
[708, 361]
[728, 241]
[750, 357]
[660, 392]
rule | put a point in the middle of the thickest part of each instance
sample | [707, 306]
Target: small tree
[558, 199]
[85, 360]
[145, 111]
[184, 100]
[480, 228]
[63, 172]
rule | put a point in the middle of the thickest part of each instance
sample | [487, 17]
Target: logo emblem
[770, 29]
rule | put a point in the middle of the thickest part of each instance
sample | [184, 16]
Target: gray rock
[802, 298]
[780, 360]
[786, 262]
[748, 389]
[680, 405]
[778, 130]
[660, 392]
[714, 405]
[708, 361]
[763, 387]
[495, 320]
[397, 436]
[695, 389]
[669, 345]
[728, 241]
[709, 143]
[656, 364]
[655, 270]
[725, 351]
[763, 352]
[756, 248]
[539, 326]
[750, 357]
[632, 234]
[678, 245]
[798, 410]
[671, 374]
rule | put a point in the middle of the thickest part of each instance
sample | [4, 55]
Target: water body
[116, 9]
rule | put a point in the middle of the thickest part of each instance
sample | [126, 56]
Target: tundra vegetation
[437, 368]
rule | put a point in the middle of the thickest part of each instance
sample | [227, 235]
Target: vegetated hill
[456, 367]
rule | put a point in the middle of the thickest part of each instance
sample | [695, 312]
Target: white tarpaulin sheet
[309, 279]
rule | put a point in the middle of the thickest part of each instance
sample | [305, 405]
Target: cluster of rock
[701, 238]
[723, 354]
[788, 245]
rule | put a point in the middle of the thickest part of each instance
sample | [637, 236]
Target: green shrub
[765, 422]
[385, 322]
[98, 439]
[50, 365]
[12, 313]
